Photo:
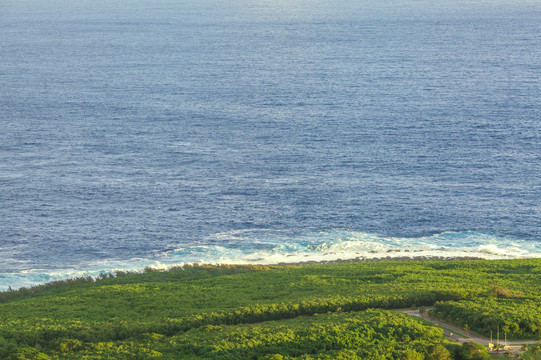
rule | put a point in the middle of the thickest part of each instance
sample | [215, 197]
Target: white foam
[256, 246]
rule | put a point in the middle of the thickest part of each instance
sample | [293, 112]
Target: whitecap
[256, 246]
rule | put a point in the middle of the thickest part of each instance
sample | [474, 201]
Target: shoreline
[97, 275]
[164, 311]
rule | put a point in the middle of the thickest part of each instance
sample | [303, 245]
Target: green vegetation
[313, 311]
[533, 352]
[519, 319]
[473, 351]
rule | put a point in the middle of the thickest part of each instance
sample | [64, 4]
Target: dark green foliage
[364, 334]
[236, 312]
[517, 318]
[439, 352]
[372, 334]
[473, 351]
[533, 353]
[7, 348]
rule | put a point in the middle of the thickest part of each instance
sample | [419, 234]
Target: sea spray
[274, 247]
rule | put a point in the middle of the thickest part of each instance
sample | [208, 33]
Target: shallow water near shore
[158, 133]
[271, 248]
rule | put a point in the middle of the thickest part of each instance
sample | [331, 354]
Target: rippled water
[163, 132]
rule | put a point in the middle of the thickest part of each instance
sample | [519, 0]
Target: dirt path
[458, 334]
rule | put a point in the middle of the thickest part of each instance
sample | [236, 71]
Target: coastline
[103, 274]
[263, 247]
[199, 310]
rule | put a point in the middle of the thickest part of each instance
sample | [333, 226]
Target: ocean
[154, 133]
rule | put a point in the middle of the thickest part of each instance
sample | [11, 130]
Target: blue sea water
[154, 133]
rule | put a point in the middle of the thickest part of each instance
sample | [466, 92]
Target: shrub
[501, 292]
[473, 351]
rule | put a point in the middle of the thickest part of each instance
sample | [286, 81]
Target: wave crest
[273, 247]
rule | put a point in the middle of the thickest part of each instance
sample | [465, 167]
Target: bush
[501, 292]
[473, 351]
[439, 352]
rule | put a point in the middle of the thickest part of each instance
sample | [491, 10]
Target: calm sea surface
[152, 133]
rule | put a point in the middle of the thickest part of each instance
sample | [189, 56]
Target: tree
[29, 353]
[411, 354]
[473, 351]
[439, 352]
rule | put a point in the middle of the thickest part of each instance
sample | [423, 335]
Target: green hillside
[312, 311]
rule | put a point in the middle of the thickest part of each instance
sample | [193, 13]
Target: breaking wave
[275, 247]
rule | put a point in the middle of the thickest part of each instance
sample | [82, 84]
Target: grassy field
[312, 311]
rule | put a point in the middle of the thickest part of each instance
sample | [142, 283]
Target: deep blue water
[137, 133]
